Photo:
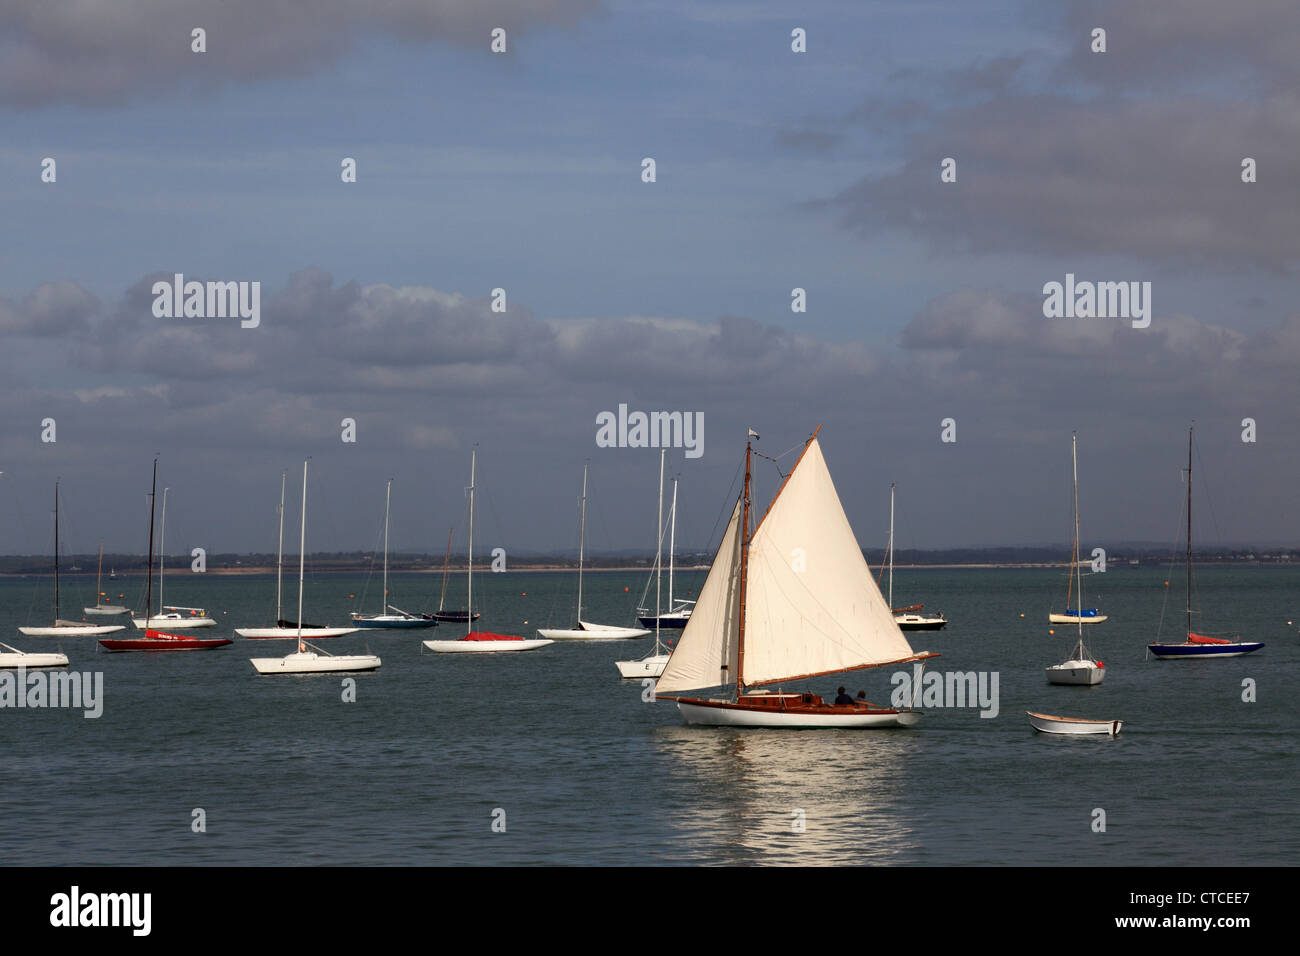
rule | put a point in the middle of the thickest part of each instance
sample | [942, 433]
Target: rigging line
[1173, 560]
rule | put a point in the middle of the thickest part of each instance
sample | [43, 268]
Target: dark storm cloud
[1045, 174]
[103, 51]
[52, 309]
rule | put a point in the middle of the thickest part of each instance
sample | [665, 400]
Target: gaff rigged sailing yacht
[480, 642]
[100, 607]
[171, 616]
[1081, 668]
[765, 619]
[287, 629]
[653, 664]
[391, 617]
[908, 618]
[314, 661]
[154, 640]
[1197, 646]
[586, 631]
[61, 628]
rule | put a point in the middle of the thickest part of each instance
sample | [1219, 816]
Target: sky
[775, 170]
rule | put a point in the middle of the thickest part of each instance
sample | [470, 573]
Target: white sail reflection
[731, 796]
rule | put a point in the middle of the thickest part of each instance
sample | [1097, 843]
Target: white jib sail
[710, 639]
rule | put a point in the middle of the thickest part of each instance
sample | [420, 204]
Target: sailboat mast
[469, 571]
[659, 547]
[148, 581]
[744, 576]
[1189, 527]
[302, 551]
[56, 552]
[99, 577]
[279, 558]
[672, 544]
[1074, 457]
[162, 552]
[891, 546]
[446, 563]
[582, 539]
[388, 499]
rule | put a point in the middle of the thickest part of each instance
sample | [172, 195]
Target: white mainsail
[709, 642]
[812, 606]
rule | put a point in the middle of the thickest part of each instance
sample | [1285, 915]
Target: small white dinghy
[13, 657]
[314, 661]
[653, 664]
[1073, 726]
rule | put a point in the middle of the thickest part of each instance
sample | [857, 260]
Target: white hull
[594, 632]
[483, 647]
[170, 622]
[72, 630]
[1078, 673]
[107, 610]
[309, 662]
[308, 633]
[19, 659]
[1073, 726]
[646, 667]
[1070, 619]
[736, 717]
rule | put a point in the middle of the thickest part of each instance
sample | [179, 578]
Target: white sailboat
[11, 657]
[314, 661]
[586, 631]
[763, 618]
[679, 611]
[100, 607]
[908, 618]
[1081, 669]
[170, 616]
[480, 642]
[61, 628]
[653, 664]
[287, 629]
[389, 616]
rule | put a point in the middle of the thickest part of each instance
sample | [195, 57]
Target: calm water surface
[411, 772]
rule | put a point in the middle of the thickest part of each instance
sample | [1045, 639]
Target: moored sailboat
[62, 628]
[11, 657]
[442, 615]
[679, 609]
[653, 664]
[100, 607]
[908, 618]
[171, 616]
[153, 639]
[302, 660]
[584, 630]
[480, 642]
[1080, 669]
[389, 616]
[1197, 646]
[284, 628]
[763, 618]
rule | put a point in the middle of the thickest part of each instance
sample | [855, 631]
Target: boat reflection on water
[731, 796]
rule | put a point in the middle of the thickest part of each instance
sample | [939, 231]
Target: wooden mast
[744, 575]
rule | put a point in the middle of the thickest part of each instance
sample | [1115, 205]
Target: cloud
[105, 52]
